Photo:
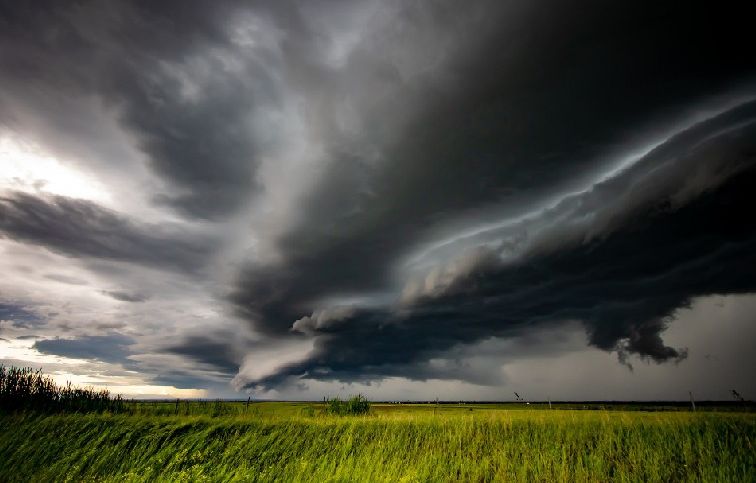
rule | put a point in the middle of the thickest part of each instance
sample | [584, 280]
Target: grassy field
[297, 442]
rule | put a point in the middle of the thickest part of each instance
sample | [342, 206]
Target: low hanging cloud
[83, 229]
[300, 192]
[113, 348]
[520, 198]
[322, 319]
[217, 354]
[620, 258]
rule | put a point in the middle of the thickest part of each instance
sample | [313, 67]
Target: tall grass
[24, 389]
[276, 441]
[410, 444]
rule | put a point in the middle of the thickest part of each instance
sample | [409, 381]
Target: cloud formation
[620, 267]
[292, 193]
[167, 77]
[81, 228]
[105, 348]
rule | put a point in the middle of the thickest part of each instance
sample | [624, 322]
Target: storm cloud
[291, 193]
[106, 348]
[81, 228]
[623, 285]
[499, 128]
[172, 75]
[217, 354]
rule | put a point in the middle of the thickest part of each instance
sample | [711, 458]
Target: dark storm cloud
[407, 133]
[185, 380]
[168, 70]
[620, 257]
[81, 228]
[623, 287]
[220, 355]
[531, 105]
[112, 348]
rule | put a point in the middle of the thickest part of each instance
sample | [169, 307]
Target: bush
[353, 406]
[26, 389]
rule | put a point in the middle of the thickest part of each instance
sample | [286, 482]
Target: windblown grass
[298, 442]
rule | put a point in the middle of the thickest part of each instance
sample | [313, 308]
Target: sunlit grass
[301, 442]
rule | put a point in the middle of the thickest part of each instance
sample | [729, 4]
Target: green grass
[298, 442]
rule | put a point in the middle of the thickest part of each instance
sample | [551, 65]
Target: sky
[404, 199]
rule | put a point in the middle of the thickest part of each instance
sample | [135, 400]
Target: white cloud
[26, 167]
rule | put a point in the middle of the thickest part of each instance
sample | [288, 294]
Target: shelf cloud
[287, 198]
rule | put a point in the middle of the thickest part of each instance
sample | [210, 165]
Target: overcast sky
[406, 199]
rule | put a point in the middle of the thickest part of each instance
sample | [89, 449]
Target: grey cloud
[555, 363]
[523, 115]
[366, 154]
[443, 278]
[322, 319]
[693, 161]
[623, 285]
[171, 72]
[19, 316]
[27, 337]
[65, 279]
[519, 114]
[125, 296]
[112, 348]
[81, 228]
[212, 352]
[188, 380]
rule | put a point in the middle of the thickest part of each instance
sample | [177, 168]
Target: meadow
[280, 441]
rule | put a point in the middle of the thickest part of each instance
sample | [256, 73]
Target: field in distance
[279, 441]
